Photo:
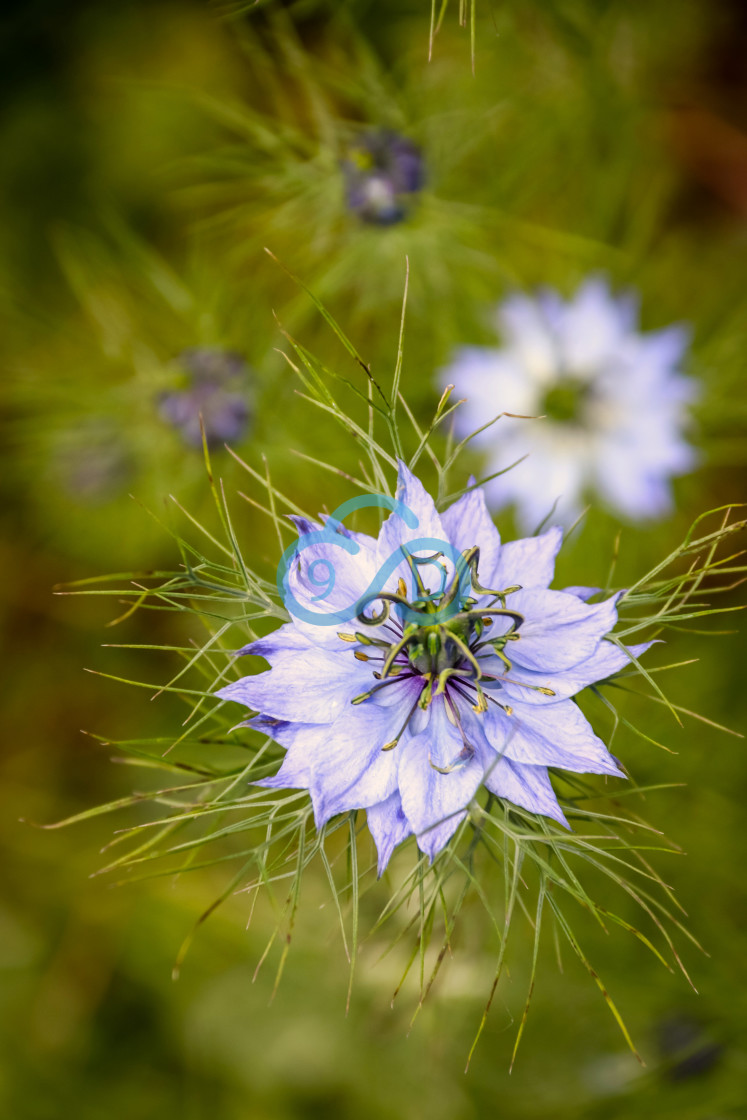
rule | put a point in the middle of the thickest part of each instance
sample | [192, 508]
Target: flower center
[439, 640]
[565, 402]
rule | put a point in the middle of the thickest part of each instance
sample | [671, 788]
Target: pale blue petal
[625, 483]
[350, 770]
[606, 660]
[301, 742]
[490, 382]
[435, 804]
[343, 765]
[526, 786]
[664, 349]
[554, 735]
[363, 539]
[559, 631]
[326, 579]
[525, 329]
[592, 329]
[286, 639]
[294, 773]
[389, 826]
[396, 534]
[468, 523]
[312, 686]
[529, 562]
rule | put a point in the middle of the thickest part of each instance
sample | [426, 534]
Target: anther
[426, 695]
[482, 704]
[359, 655]
[347, 637]
[391, 745]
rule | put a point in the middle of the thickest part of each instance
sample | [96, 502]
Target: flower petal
[526, 786]
[300, 740]
[311, 686]
[527, 332]
[389, 826]
[606, 660]
[349, 769]
[286, 639]
[324, 581]
[397, 536]
[343, 766]
[435, 804]
[468, 523]
[559, 631]
[554, 735]
[592, 327]
[529, 562]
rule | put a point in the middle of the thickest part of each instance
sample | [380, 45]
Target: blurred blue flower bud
[381, 170]
[216, 389]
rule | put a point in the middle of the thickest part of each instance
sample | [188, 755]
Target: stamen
[461, 687]
[465, 755]
[393, 672]
[482, 705]
[467, 752]
[377, 688]
[427, 694]
[520, 684]
[366, 640]
[390, 746]
[444, 676]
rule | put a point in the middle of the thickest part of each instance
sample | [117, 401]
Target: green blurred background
[149, 152]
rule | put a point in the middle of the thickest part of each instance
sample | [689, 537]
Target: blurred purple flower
[381, 171]
[217, 389]
[407, 719]
[614, 403]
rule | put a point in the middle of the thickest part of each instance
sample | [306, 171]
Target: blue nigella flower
[408, 718]
[614, 406]
[216, 389]
[381, 171]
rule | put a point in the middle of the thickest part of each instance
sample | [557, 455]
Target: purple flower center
[439, 658]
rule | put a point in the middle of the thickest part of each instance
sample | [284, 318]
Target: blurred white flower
[614, 405]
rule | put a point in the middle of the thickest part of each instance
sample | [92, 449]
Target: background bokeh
[149, 152]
